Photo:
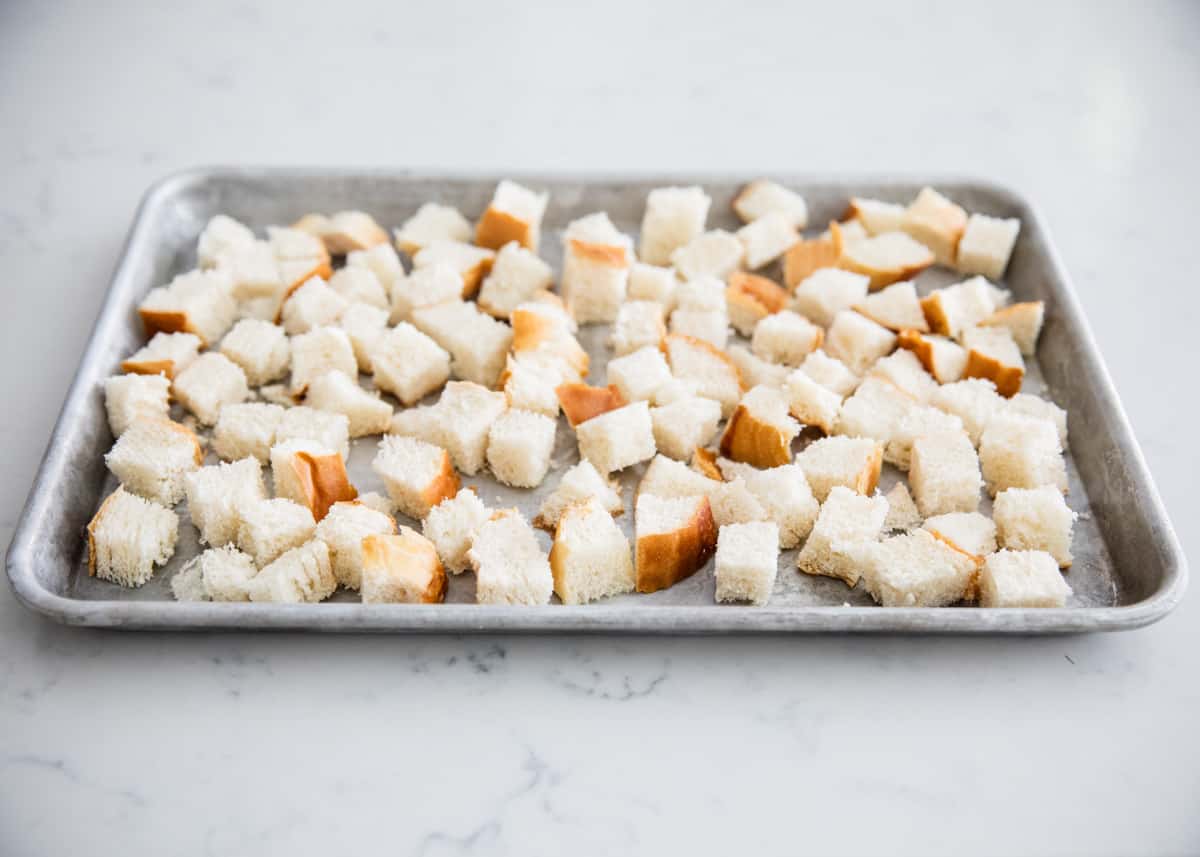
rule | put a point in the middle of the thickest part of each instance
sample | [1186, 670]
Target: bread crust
[443, 486]
[752, 441]
[150, 367]
[474, 275]
[1006, 378]
[705, 461]
[881, 277]
[496, 228]
[340, 243]
[322, 268]
[167, 321]
[92, 526]
[605, 255]
[664, 559]
[935, 314]
[918, 344]
[868, 478]
[324, 481]
[531, 331]
[704, 345]
[806, 256]
[405, 549]
[582, 402]
[764, 291]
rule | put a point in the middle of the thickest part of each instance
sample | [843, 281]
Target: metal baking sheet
[1129, 569]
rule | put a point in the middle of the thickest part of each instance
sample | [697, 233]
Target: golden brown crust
[881, 277]
[752, 441]
[323, 480]
[443, 486]
[764, 291]
[806, 256]
[1006, 378]
[868, 477]
[948, 542]
[608, 255]
[474, 275]
[150, 367]
[496, 228]
[532, 330]
[166, 321]
[703, 345]
[321, 267]
[93, 524]
[664, 559]
[935, 314]
[923, 347]
[705, 461]
[339, 243]
[414, 557]
[582, 402]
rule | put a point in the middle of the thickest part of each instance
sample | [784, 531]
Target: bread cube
[784, 495]
[208, 383]
[417, 475]
[401, 568]
[904, 370]
[896, 307]
[845, 519]
[218, 574]
[915, 570]
[852, 462]
[197, 302]
[807, 257]
[259, 348]
[762, 197]
[1023, 321]
[937, 223]
[733, 502]
[128, 537]
[886, 258]
[514, 215]
[827, 292]
[969, 533]
[591, 557]
[754, 371]
[320, 350]
[877, 216]
[953, 309]
[767, 238]
[152, 457]
[1035, 519]
[221, 235]
[382, 261]
[541, 329]
[750, 298]
[875, 410]
[336, 393]
[345, 231]
[310, 474]
[510, 567]
[1022, 579]
[477, 343]
[639, 325]
[519, 447]
[944, 474]
[268, 528]
[596, 263]
[1033, 406]
[364, 325]
[830, 373]
[433, 284]
[451, 526]
[1017, 451]
[471, 263]
[902, 511]
[673, 217]
[409, 364]
[466, 412]
[652, 283]
[300, 257]
[945, 360]
[986, 245]
[713, 254]
[529, 383]
[685, 425]
[578, 484]
[811, 403]
[973, 401]
[360, 285]
[516, 276]
[216, 494]
[343, 530]
[252, 270]
[675, 538]
[312, 305]
[130, 397]
[917, 422]
[617, 439]
[302, 575]
[747, 562]
[665, 477]
[166, 353]
[711, 326]
[857, 341]
[786, 337]
[330, 430]
[993, 354]
[760, 431]
[715, 375]
[376, 501]
[246, 430]
[432, 222]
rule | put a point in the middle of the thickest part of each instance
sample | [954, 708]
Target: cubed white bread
[1023, 321]
[701, 293]
[749, 298]
[301, 575]
[1017, 451]
[902, 511]
[451, 526]
[261, 309]
[382, 261]
[579, 483]
[152, 457]
[519, 447]
[471, 263]
[259, 348]
[300, 256]
[516, 276]
[347, 231]
[711, 326]
[915, 570]
[378, 502]
[760, 431]
[590, 558]
[674, 390]
[477, 343]
[845, 520]
[343, 529]
[987, 244]
[917, 422]
[433, 284]
[993, 354]
[359, 285]
[465, 413]
[409, 364]
[807, 256]
[617, 439]
[811, 403]
[885, 258]
[210, 382]
[510, 566]
[304, 423]
[638, 375]
[166, 353]
[733, 502]
[268, 528]
[943, 358]
[767, 238]
[762, 197]
[905, 370]
[197, 302]
[755, 371]
[595, 275]
[1035, 519]
[851, 462]
[937, 223]
[246, 429]
[877, 216]
[540, 328]
[970, 533]
[715, 375]
[364, 325]
[130, 397]
[216, 495]
[683, 425]
[401, 568]
[944, 474]
[747, 561]
[974, 401]
[222, 234]
[825, 293]
[830, 373]
[784, 495]
[128, 537]
[875, 410]
[337, 393]
[896, 307]
[652, 283]
[320, 350]
[417, 475]
[639, 324]
[529, 382]
[432, 222]
[252, 270]
[716, 253]
[857, 341]
[786, 337]
[217, 574]
[312, 305]
[953, 309]
[514, 214]
[673, 217]
[1030, 405]
[1022, 579]
[666, 477]
[675, 538]
[310, 474]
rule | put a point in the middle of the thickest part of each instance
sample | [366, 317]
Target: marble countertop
[238, 744]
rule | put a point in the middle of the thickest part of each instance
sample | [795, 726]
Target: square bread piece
[364, 325]
[652, 283]
[432, 222]
[221, 235]
[762, 197]
[211, 381]
[760, 432]
[246, 429]
[733, 502]
[197, 302]
[582, 402]
[685, 425]
[902, 511]
[517, 275]
[749, 298]
[268, 528]
[510, 567]
[887, 258]
[754, 371]
[896, 307]
[666, 477]
[711, 326]
[591, 558]
[165, 353]
[128, 536]
[875, 410]
[321, 350]
[218, 574]
[767, 238]
[477, 343]
[1022, 579]
[1035, 519]
[953, 309]
[811, 403]
[827, 292]
[993, 354]
[259, 348]
[942, 358]
[360, 285]
[715, 375]
[974, 401]
[519, 447]
[344, 232]
[968, 532]
[300, 257]
[382, 261]
[433, 284]
[747, 562]
[409, 364]
[310, 474]
[639, 325]
[401, 568]
[471, 263]
[1023, 321]
[514, 215]
[1034, 406]
[417, 475]
[905, 370]
[944, 474]
[544, 330]
[343, 530]
[877, 216]
[216, 494]
[314, 304]
[830, 373]
[987, 244]
[716, 253]
[845, 519]
[673, 217]
[596, 262]
[338, 393]
[451, 526]
[465, 413]
[152, 457]
[638, 375]
[937, 223]
[302, 575]
[915, 570]
[617, 439]
[919, 421]
[330, 430]
[675, 538]
[857, 341]
[786, 337]
[579, 483]
[807, 256]
[852, 462]
[131, 397]
[529, 382]
[784, 494]
[1021, 452]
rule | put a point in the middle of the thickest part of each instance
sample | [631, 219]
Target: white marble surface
[238, 744]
